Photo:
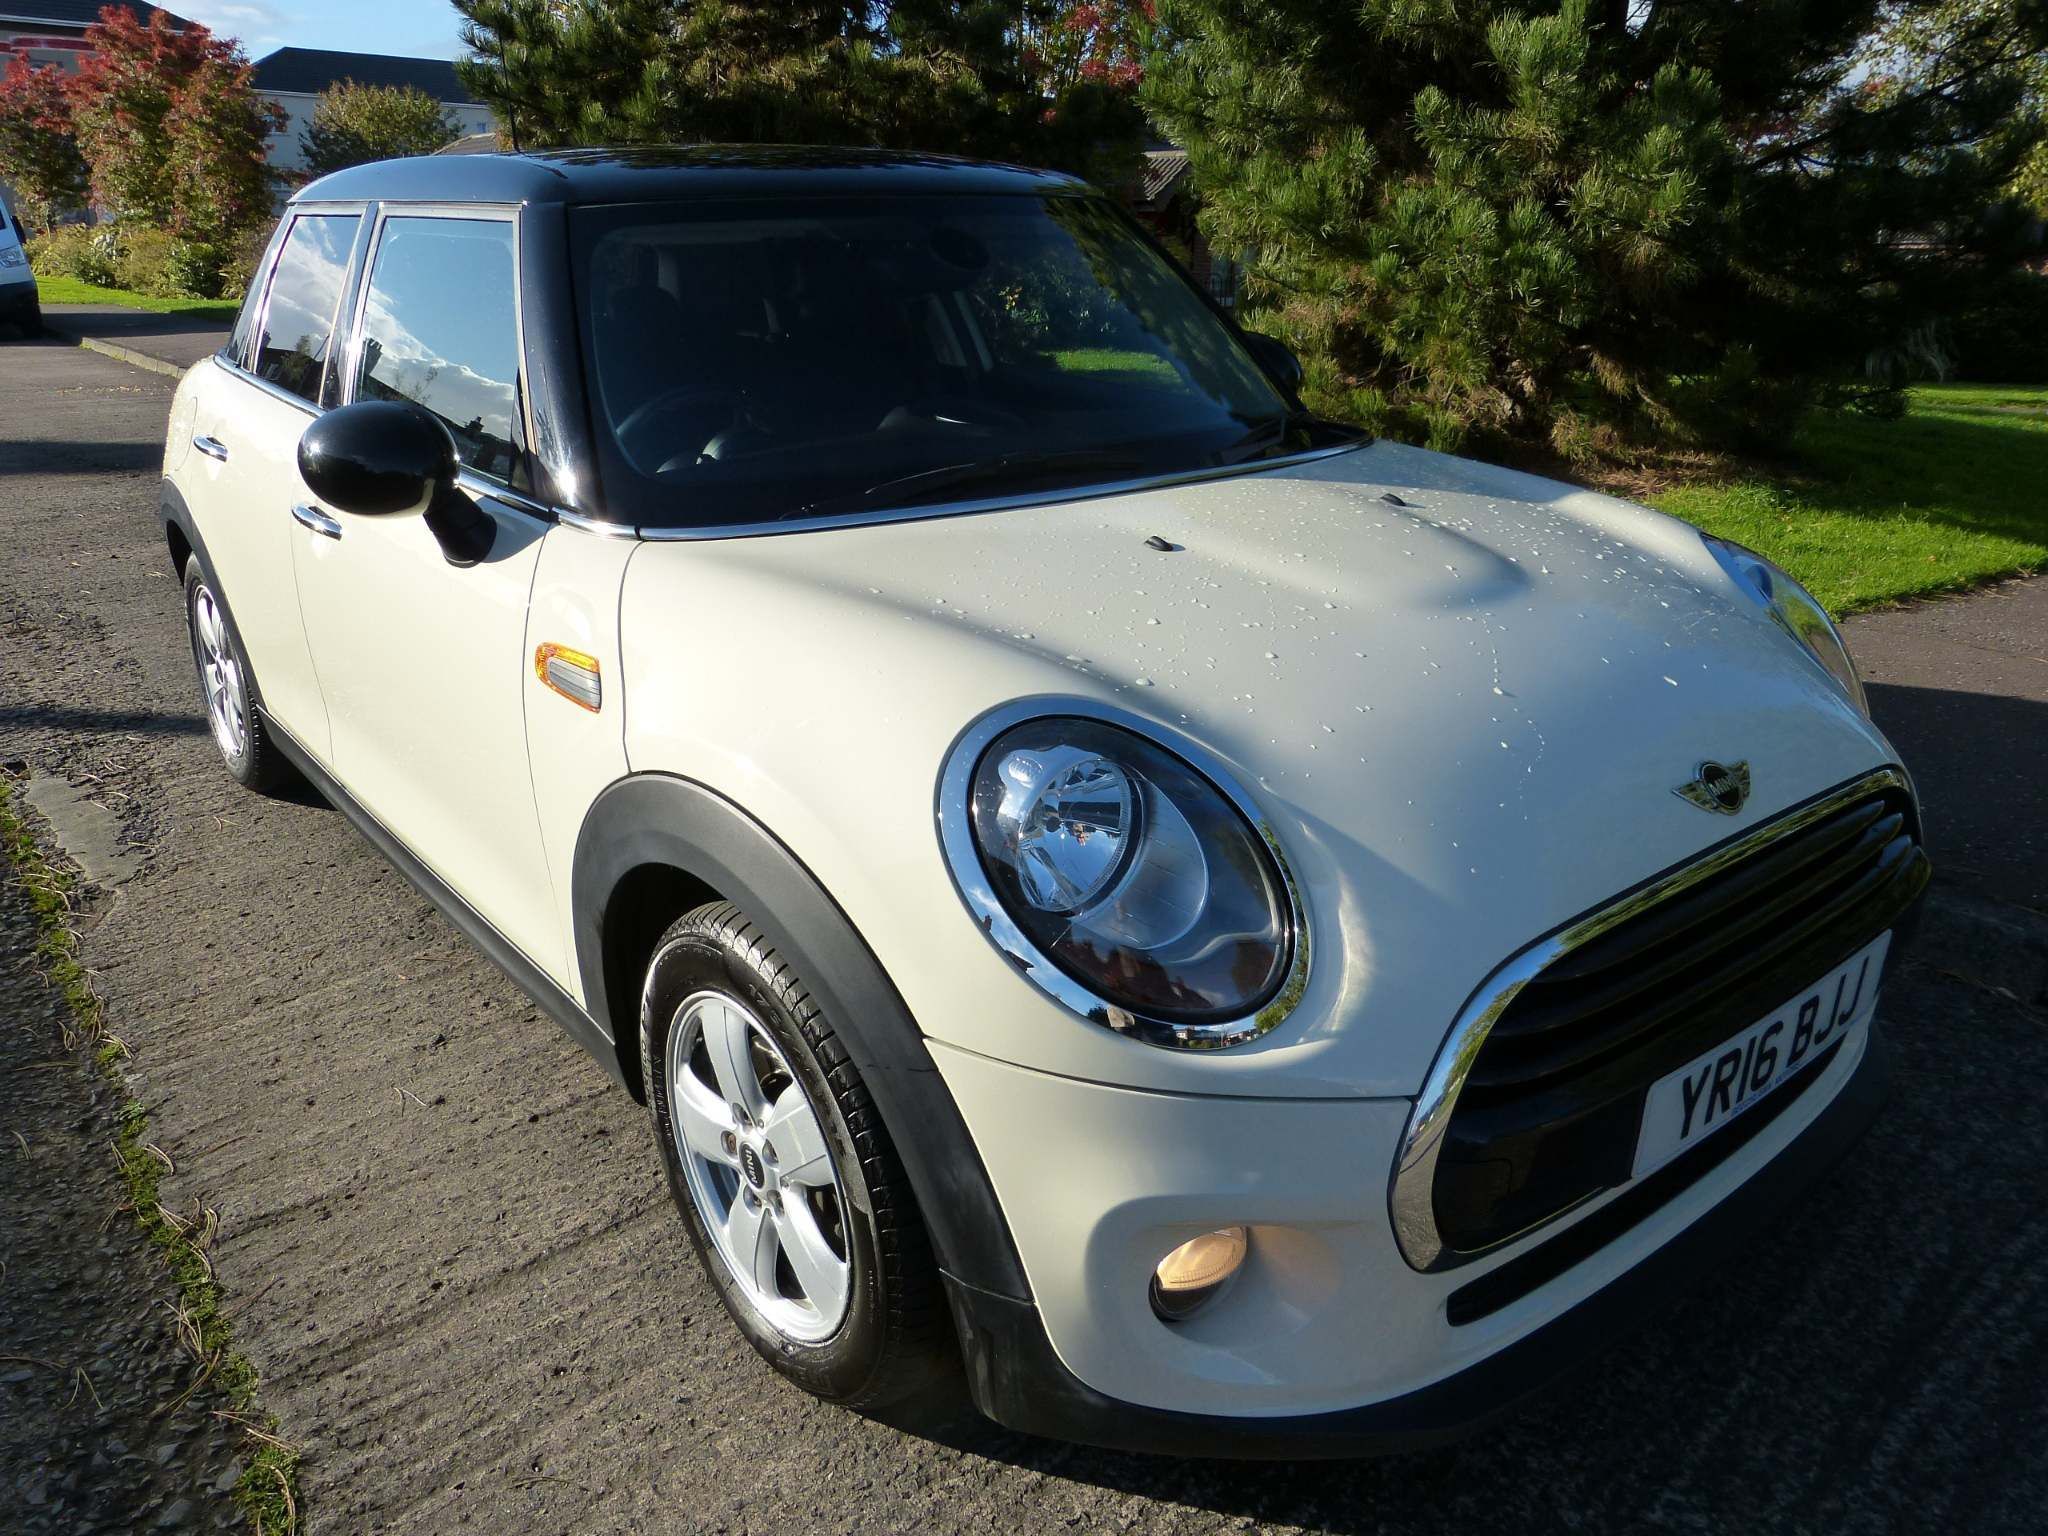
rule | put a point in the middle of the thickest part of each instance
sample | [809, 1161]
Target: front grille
[1551, 1107]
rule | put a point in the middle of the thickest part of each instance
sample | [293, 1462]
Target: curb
[116, 351]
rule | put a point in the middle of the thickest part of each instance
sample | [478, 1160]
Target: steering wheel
[669, 400]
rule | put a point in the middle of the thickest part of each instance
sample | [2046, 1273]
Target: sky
[414, 28]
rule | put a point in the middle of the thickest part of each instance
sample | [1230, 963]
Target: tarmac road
[454, 1263]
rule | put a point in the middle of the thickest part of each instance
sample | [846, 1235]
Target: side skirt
[498, 949]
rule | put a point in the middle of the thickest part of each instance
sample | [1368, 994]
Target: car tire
[226, 691]
[737, 1056]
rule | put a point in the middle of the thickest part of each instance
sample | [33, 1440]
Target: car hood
[1463, 697]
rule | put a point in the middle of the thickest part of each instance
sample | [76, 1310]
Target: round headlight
[1795, 610]
[1122, 879]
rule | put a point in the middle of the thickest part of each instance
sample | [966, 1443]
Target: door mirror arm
[464, 530]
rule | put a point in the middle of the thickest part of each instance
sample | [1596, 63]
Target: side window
[298, 322]
[441, 329]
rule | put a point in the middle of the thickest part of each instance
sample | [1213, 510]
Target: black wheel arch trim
[677, 824]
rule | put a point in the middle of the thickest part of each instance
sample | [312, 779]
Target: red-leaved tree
[38, 155]
[171, 126]
[1068, 43]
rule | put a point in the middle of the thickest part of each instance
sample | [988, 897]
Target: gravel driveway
[455, 1265]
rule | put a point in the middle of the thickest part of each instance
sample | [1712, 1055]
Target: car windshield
[752, 362]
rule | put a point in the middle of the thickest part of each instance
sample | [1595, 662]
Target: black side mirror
[1277, 358]
[378, 458]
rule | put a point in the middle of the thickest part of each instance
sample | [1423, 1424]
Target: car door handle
[212, 447]
[318, 521]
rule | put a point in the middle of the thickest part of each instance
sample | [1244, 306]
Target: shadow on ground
[42, 456]
[1980, 763]
[131, 722]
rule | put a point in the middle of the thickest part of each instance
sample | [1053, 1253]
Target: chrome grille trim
[1411, 1191]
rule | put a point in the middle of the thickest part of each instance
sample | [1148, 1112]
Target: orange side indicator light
[571, 674]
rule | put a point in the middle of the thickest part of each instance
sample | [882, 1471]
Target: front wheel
[785, 1175]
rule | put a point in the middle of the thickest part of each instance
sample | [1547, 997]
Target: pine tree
[1592, 224]
[954, 75]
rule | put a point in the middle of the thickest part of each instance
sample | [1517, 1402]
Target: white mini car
[1252, 939]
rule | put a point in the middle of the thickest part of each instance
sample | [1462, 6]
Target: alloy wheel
[754, 1155]
[221, 673]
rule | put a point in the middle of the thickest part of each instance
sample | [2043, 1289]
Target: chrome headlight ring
[962, 847]
[1793, 609]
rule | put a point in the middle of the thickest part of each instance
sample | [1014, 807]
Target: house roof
[656, 175]
[1158, 179]
[76, 13]
[313, 70]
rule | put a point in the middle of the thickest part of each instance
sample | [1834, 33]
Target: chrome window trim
[1411, 1190]
[596, 525]
[922, 512]
[272, 260]
[483, 488]
[956, 838]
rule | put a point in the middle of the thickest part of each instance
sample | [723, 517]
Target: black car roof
[654, 175]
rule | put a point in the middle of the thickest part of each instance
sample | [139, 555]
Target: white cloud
[254, 24]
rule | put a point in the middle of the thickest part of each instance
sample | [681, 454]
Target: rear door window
[251, 312]
[298, 322]
[440, 328]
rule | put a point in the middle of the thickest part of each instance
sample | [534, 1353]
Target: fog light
[1196, 1272]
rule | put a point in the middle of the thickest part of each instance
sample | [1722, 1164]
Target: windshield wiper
[1264, 438]
[1005, 469]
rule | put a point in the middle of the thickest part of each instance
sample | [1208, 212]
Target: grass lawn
[69, 290]
[1953, 494]
[1136, 366]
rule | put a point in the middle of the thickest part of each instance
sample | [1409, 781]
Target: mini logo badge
[1722, 788]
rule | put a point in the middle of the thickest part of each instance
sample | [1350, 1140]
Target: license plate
[1698, 1099]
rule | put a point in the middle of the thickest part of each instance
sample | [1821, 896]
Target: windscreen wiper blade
[1264, 438]
[1016, 470]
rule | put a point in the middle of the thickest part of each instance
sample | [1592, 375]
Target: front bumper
[1020, 1378]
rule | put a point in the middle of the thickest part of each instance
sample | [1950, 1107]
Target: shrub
[195, 269]
[75, 250]
[239, 269]
[146, 260]
[143, 258]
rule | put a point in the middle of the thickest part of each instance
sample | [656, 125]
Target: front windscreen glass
[757, 361]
